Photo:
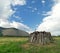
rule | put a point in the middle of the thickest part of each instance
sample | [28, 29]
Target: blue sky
[31, 15]
[32, 12]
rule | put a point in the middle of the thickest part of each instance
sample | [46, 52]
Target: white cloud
[4, 23]
[7, 24]
[18, 18]
[35, 9]
[57, 1]
[47, 13]
[20, 26]
[5, 8]
[6, 12]
[51, 23]
[43, 1]
[19, 2]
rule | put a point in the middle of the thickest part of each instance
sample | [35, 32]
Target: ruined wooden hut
[41, 37]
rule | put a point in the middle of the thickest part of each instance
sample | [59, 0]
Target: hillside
[12, 32]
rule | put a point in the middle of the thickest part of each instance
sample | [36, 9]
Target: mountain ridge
[12, 32]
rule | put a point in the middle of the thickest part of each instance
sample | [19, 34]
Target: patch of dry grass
[13, 39]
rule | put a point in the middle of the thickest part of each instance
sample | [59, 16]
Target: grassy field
[21, 45]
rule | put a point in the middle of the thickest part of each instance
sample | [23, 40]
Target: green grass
[21, 45]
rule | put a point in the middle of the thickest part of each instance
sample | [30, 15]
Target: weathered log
[41, 37]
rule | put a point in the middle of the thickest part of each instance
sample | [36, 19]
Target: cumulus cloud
[19, 2]
[51, 22]
[4, 23]
[43, 1]
[5, 7]
[6, 12]
[14, 24]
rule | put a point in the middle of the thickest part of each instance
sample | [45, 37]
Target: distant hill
[12, 32]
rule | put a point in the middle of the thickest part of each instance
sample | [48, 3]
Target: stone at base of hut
[41, 37]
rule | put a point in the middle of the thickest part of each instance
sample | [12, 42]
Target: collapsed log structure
[41, 37]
